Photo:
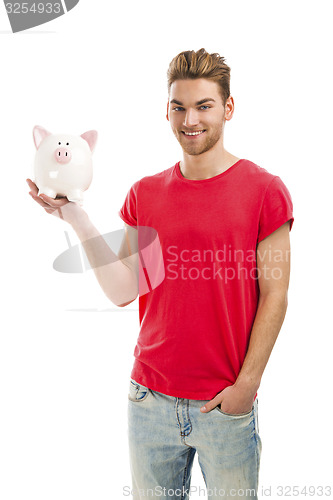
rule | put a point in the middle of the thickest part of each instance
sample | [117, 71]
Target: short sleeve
[276, 209]
[128, 212]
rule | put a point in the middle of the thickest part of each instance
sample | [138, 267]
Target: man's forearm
[267, 324]
[116, 277]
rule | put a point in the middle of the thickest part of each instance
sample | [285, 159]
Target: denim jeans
[164, 434]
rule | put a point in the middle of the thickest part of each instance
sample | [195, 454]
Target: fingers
[47, 207]
[39, 200]
[42, 203]
[210, 405]
[32, 186]
[34, 194]
[50, 205]
[54, 203]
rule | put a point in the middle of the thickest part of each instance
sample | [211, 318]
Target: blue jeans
[164, 434]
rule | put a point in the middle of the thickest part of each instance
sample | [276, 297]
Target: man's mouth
[193, 134]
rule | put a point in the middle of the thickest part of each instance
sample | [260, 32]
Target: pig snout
[63, 155]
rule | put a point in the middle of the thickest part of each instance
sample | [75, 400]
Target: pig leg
[48, 191]
[75, 195]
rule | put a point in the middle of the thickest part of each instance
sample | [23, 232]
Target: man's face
[196, 106]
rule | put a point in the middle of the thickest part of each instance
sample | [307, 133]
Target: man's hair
[190, 65]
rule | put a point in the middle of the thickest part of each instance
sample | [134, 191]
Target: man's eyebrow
[206, 99]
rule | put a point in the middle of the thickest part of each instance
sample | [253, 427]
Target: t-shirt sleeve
[276, 209]
[128, 212]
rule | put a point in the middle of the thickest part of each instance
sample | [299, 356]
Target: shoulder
[258, 179]
[155, 180]
[255, 174]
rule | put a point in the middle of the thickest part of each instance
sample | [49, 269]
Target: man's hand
[235, 399]
[60, 207]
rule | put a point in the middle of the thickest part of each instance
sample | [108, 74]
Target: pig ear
[39, 134]
[91, 138]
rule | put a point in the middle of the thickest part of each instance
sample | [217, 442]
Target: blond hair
[192, 65]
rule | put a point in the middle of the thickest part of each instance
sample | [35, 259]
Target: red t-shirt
[196, 324]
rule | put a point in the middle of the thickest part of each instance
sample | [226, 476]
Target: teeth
[194, 133]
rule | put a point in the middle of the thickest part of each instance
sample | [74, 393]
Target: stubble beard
[209, 141]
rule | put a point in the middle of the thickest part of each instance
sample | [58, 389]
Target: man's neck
[198, 168]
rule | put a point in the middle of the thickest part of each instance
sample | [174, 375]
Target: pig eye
[67, 143]
[59, 143]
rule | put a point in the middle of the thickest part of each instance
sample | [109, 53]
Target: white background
[64, 370]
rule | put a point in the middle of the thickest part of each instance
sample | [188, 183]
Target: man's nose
[191, 118]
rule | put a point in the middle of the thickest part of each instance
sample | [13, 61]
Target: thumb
[210, 405]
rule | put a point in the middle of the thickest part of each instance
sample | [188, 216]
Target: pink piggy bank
[63, 163]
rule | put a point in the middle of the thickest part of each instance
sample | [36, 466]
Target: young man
[208, 328]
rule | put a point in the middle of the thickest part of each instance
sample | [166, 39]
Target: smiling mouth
[193, 134]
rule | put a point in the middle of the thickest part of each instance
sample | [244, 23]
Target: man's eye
[203, 106]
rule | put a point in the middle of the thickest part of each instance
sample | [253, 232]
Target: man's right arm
[116, 274]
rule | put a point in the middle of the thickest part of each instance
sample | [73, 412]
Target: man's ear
[229, 108]
[167, 114]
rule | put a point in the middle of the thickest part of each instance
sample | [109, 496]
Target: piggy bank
[63, 163]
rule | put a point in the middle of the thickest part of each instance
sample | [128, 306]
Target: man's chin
[193, 151]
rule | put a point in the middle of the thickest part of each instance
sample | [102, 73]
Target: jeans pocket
[137, 392]
[234, 415]
[256, 416]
